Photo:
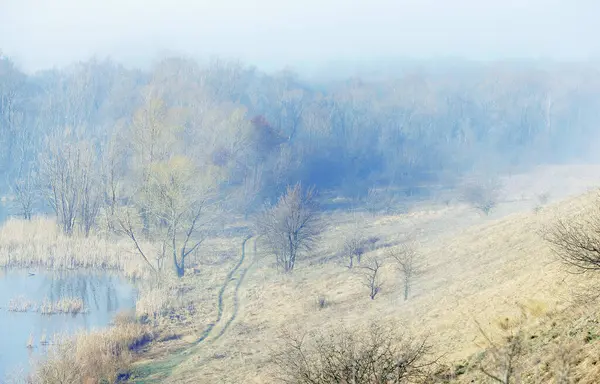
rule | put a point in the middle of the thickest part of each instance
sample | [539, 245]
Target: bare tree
[380, 200]
[90, 185]
[291, 226]
[501, 359]
[59, 177]
[378, 355]
[372, 277]
[406, 258]
[180, 209]
[483, 194]
[69, 172]
[576, 241]
[355, 244]
[26, 190]
[113, 177]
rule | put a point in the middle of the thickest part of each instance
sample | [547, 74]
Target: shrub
[483, 194]
[376, 356]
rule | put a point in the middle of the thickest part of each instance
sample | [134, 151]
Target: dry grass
[40, 243]
[21, 304]
[71, 305]
[560, 347]
[477, 270]
[92, 357]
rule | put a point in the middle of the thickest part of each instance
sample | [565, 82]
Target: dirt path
[227, 309]
[225, 301]
[232, 301]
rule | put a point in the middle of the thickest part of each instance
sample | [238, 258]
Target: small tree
[501, 361]
[406, 258]
[372, 278]
[354, 246]
[483, 194]
[26, 190]
[378, 355]
[576, 241]
[291, 226]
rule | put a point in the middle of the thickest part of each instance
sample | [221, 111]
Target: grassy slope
[477, 269]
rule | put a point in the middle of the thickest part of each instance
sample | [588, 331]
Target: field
[476, 269]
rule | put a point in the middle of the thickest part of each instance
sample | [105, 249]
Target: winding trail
[236, 298]
[220, 301]
[230, 303]
[156, 372]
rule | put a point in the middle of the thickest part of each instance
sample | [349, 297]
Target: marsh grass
[39, 243]
[65, 305]
[70, 305]
[20, 304]
[92, 357]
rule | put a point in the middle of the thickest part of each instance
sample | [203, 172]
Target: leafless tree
[501, 359]
[376, 356]
[372, 278]
[69, 172]
[291, 226]
[576, 241]
[129, 221]
[543, 198]
[354, 247]
[406, 258]
[91, 195]
[180, 206]
[483, 194]
[380, 200]
[113, 176]
[26, 191]
[355, 243]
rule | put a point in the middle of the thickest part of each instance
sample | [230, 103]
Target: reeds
[65, 305]
[20, 304]
[96, 356]
[40, 243]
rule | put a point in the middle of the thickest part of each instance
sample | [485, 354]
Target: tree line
[158, 153]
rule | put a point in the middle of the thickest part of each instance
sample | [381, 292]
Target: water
[103, 295]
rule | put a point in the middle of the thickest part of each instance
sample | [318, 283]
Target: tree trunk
[179, 267]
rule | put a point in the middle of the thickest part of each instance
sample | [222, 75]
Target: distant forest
[260, 132]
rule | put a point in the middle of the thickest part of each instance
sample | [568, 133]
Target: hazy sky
[275, 33]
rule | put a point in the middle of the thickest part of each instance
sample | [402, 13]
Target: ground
[475, 269]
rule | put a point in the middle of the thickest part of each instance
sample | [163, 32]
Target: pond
[25, 299]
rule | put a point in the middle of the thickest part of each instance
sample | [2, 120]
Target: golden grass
[477, 270]
[40, 243]
[92, 357]
[71, 305]
[21, 304]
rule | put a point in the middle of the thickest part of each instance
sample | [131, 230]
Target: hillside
[474, 270]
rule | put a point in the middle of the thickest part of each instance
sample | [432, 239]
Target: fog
[302, 34]
[429, 92]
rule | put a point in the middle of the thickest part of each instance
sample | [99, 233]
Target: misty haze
[352, 192]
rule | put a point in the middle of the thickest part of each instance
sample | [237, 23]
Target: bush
[483, 194]
[376, 356]
[92, 357]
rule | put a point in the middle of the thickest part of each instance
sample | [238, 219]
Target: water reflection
[103, 296]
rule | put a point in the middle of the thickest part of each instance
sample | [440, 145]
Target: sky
[274, 34]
